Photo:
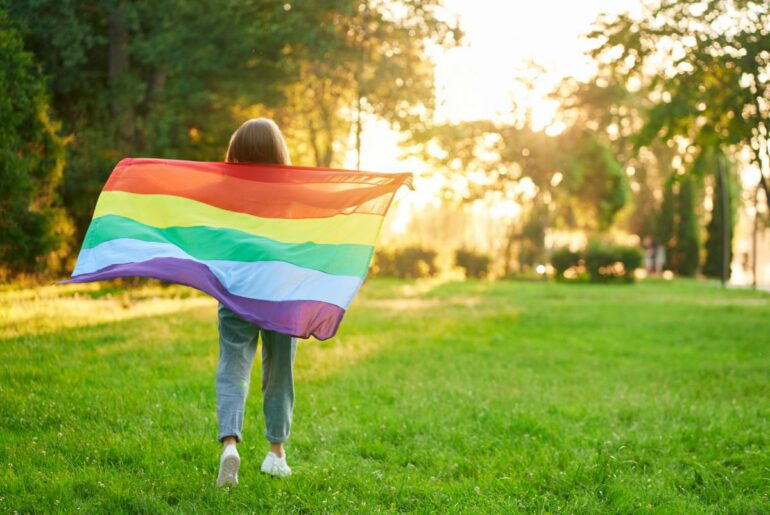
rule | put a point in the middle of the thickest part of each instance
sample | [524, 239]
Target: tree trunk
[508, 252]
[313, 135]
[358, 132]
[122, 110]
[726, 241]
[755, 231]
[360, 86]
[761, 145]
[766, 188]
[327, 127]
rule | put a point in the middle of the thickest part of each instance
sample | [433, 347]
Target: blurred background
[587, 141]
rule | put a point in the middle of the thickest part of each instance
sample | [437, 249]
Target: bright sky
[477, 81]
[503, 37]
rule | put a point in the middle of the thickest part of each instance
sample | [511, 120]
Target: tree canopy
[703, 68]
[33, 225]
[175, 78]
[94, 81]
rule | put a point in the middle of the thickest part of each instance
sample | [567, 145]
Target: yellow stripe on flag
[171, 211]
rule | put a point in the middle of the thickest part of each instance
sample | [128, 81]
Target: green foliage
[702, 67]
[475, 264]
[631, 257]
[150, 78]
[644, 205]
[33, 227]
[603, 262]
[593, 190]
[532, 236]
[686, 72]
[666, 221]
[712, 265]
[361, 57]
[468, 397]
[594, 179]
[609, 263]
[562, 259]
[686, 252]
[174, 78]
[405, 263]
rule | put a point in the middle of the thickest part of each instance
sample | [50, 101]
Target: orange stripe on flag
[254, 190]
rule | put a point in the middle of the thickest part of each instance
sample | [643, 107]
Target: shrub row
[416, 262]
[601, 262]
[475, 264]
[406, 263]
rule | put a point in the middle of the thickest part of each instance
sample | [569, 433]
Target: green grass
[469, 397]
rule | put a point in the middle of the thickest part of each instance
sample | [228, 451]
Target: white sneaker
[275, 466]
[228, 466]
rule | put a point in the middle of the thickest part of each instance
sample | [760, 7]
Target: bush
[601, 262]
[33, 227]
[475, 264]
[606, 263]
[383, 265]
[632, 258]
[406, 263]
[562, 259]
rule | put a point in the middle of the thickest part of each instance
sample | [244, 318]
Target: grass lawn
[468, 397]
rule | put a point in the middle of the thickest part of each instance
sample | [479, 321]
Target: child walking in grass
[256, 141]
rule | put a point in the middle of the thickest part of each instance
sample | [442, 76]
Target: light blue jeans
[237, 347]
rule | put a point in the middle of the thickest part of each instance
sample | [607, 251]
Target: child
[256, 141]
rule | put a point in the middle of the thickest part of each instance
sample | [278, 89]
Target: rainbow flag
[284, 247]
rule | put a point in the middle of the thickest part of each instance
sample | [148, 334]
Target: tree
[355, 58]
[532, 249]
[686, 252]
[666, 223]
[33, 226]
[593, 189]
[699, 68]
[571, 180]
[595, 186]
[174, 78]
[150, 78]
[703, 66]
[719, 251]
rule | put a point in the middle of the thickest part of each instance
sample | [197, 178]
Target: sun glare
[513, 55]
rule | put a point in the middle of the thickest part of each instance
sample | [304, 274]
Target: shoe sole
[228, 471]
[275, 473]
[278, 475]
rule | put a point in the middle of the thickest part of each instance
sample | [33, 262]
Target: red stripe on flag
[260, 190]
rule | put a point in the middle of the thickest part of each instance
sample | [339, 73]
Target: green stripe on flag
[207, 243]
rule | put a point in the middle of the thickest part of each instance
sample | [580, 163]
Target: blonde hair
[258, 140]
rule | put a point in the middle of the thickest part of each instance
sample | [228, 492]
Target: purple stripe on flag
[300, 318]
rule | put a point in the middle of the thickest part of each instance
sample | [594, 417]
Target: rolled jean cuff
[276, 439]
[235, 434]
[230, 424]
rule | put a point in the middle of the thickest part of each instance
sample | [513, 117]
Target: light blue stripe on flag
[261, 280]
